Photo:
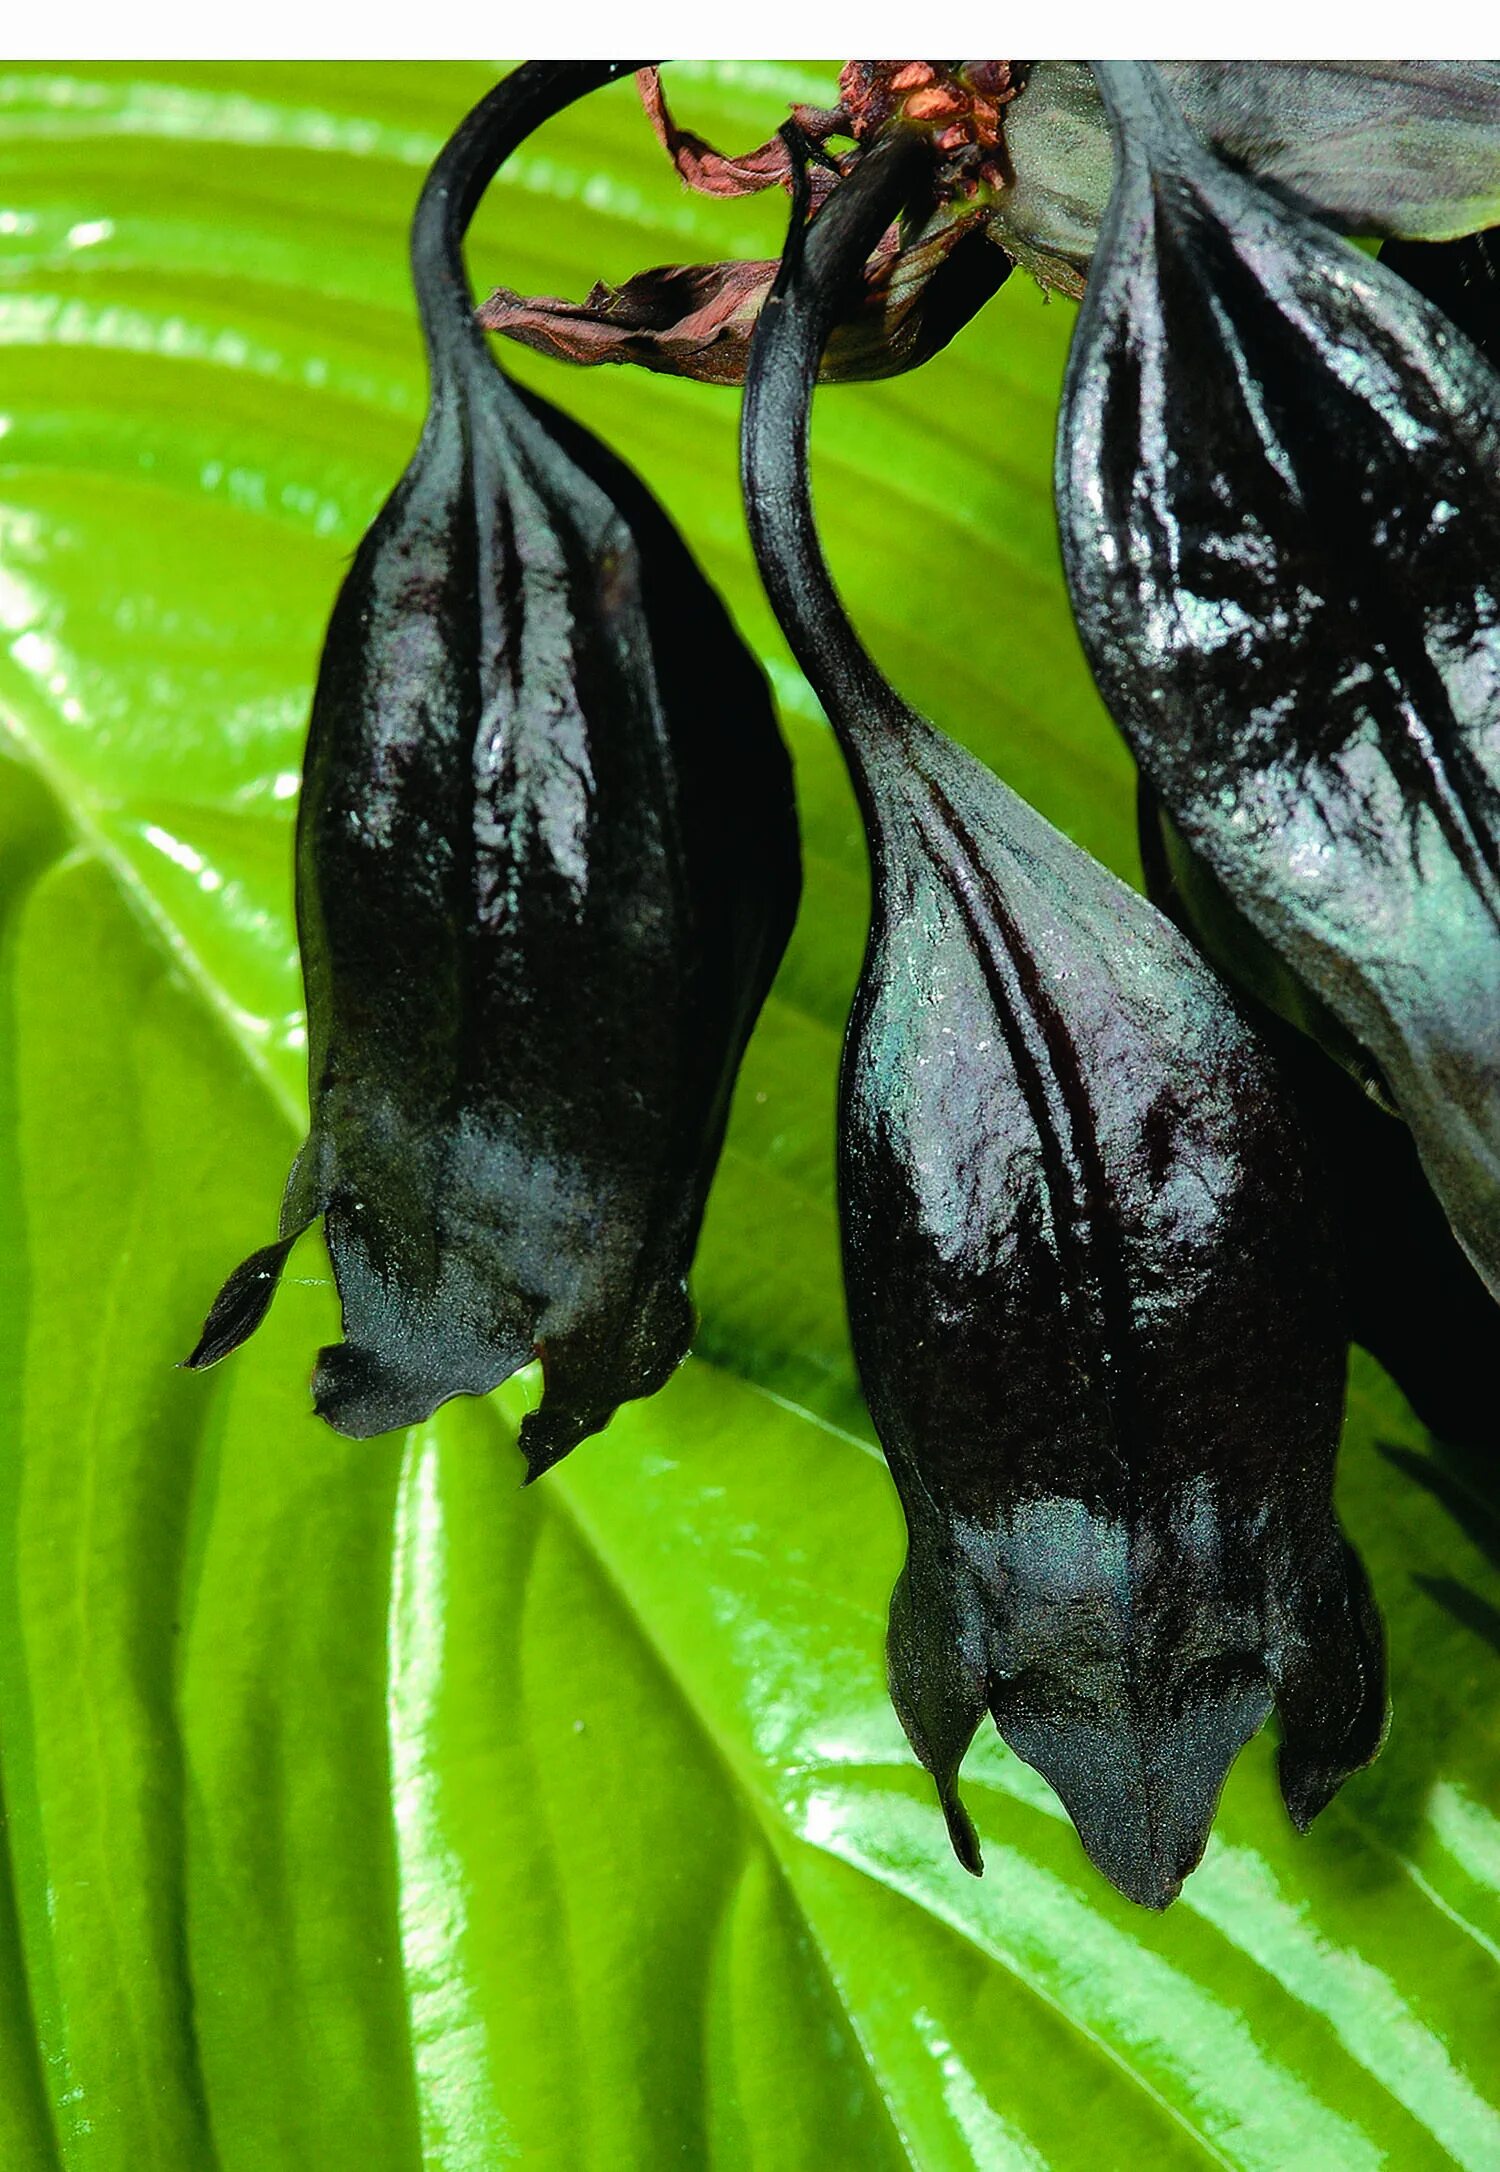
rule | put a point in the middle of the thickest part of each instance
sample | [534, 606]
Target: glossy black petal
[1411, 1293]
[1089, 1281]
[1279, 491]
[547, 865]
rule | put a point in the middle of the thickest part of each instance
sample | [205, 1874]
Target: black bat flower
[1088, 1276]
[1278, 481]
[547, 865]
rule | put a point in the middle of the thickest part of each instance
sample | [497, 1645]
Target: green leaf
[362, 1810]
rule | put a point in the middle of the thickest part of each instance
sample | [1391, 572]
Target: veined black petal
[1413, 1298]
[547, 865]
[1088, 1273]
[1278, 484]
[1182, 886]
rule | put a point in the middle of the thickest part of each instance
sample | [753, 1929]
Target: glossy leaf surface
[364, 1811]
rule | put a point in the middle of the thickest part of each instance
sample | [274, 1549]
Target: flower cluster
[1108, 1167]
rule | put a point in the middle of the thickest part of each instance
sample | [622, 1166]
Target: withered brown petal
[686, 320]
[547, 865]
[697, 320]
[716, 173]
[1278, 481]
[1089, 1279]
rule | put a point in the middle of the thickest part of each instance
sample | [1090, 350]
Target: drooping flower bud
[1278, 483]
[546, 868]
[1088, 1276]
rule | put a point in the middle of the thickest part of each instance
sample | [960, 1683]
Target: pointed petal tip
[1330, 1684]
[1308, 1783]
[1147, 1881]
[961, 1833]
[1310, 1778]
[584, 1382]
[240, 1306]
[1305, 1800]
[550, 1434]
[1141, 1776]
[1146, 1860]
[209, 1350]
[359, 1395]
[1146, 1845]
[539, 1460]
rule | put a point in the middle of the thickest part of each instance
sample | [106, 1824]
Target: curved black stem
[464, 169]
[1141, 111]
[818, 267]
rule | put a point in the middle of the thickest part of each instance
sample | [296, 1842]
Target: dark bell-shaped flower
[1089, 1279]
[546, 867]
[1092, 1301]
[1278, 485]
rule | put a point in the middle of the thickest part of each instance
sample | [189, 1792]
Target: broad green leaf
[361, 1809]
